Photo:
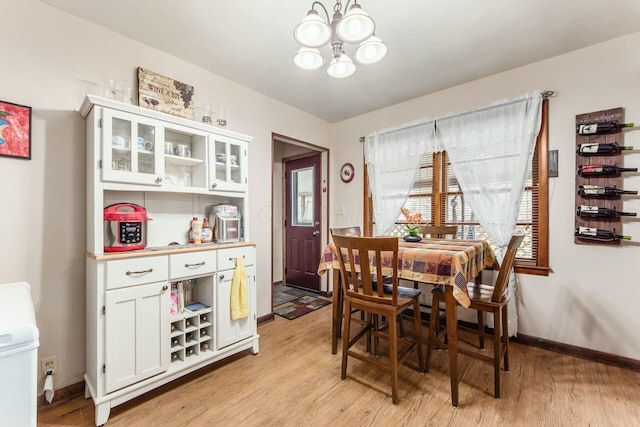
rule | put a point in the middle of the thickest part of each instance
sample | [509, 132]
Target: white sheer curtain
[393, 159]
[490, 151]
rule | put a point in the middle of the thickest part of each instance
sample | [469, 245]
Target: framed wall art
[164, 94]
[15, 130]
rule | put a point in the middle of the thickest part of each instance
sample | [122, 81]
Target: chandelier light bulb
[356, 26]
[308, 58]
[313, 31]
[341, 67]
[371, 51]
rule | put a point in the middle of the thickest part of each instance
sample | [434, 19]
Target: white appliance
[18, 356]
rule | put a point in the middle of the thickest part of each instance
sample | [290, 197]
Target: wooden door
[303, 222]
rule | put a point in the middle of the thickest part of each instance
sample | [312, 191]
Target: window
[438, 197]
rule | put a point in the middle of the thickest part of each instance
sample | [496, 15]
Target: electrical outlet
[49, 364]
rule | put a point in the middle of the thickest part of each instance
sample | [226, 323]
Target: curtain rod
[545, 94]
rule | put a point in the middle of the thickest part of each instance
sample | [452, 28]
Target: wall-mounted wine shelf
[590, 154]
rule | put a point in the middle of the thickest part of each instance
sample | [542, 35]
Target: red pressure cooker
[125, 227]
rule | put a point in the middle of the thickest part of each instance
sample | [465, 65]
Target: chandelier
[355, 26]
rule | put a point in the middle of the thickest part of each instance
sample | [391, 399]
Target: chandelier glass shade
[355, 27]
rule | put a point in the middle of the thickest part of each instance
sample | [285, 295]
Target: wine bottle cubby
[191, 334]
[596, 192]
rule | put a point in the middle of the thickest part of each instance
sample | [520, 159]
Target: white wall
[48, 58]
[590, 298]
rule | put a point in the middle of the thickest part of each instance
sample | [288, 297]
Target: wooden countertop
[178, 250]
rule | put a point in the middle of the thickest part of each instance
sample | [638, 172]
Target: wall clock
[347, 172]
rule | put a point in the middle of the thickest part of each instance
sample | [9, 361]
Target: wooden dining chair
[438, 231]
[489, 299]
[353, 231]
[387, 301]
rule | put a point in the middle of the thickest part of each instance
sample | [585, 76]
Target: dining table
[449, 262]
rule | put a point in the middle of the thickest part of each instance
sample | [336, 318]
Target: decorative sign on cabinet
[177, 170]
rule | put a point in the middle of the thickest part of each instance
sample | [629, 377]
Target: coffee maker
[225, 220]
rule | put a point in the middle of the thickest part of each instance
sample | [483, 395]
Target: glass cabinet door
[185, 158]
[229, 164]
[132, 149]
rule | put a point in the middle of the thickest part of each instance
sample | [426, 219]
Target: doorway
[303, 208]
[289, 151]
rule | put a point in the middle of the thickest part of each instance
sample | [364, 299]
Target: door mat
[287, 293]
[300, 306]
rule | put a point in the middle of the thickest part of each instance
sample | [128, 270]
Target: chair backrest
[439, 231]
[502, 282]
[371, 254]
[347, 231]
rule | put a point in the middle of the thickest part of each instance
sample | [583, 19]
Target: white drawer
[192, 264]
[227, 257]
[136, 271]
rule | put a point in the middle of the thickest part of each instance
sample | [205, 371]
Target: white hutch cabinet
[135, 342]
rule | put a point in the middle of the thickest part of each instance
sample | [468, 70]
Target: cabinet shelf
[221, 166]
[182, 161]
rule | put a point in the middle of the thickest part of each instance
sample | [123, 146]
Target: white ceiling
[434, 44]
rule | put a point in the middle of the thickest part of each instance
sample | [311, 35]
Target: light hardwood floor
[295, 381]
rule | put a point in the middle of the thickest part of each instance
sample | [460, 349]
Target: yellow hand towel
[239, 292]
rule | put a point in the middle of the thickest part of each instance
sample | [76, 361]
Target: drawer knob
[222, 277]
[165, 287]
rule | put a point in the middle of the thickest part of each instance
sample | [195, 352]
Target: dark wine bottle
[588, 233]
[596, 149]
[602, 170]
[601, 191]
[585, 211]
[602, 127]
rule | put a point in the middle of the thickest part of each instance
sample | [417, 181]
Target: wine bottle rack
[612, 202]
[191, 334]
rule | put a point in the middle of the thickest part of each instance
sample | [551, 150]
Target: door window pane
[302, 194]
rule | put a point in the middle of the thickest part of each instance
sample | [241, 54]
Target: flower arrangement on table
[413, 221]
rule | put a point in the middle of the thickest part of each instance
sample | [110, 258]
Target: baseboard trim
[266, 318]
[581, 352]
[62, 395]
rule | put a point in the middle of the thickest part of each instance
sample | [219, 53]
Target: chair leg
[434, 327]
[345, 340]
[418, 333]
[505, 336]
[369, 323]
[376, 339]
[497, 338]
[480, 329]
[393, 355]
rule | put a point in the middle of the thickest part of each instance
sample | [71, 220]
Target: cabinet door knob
[165, 287]
[159, 179]
[222, 277]
[214, 185]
